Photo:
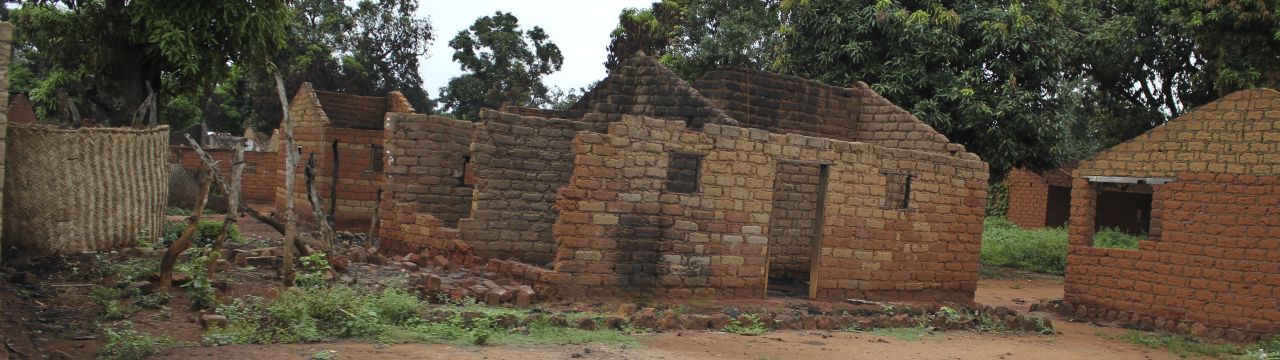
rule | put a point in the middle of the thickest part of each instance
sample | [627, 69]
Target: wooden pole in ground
[317, 208]
[372, 237]
[233, 205]
[178, 246]
[290, 161]
[333, 186]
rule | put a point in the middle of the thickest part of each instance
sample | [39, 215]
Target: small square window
[375, 158]
[897, 191]
[682, 172]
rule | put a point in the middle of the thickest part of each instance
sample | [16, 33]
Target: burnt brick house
[743, 184]
[1211, 266]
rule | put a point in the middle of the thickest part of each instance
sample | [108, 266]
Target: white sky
[579, 27]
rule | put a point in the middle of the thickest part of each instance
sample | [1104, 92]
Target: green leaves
[504, 64]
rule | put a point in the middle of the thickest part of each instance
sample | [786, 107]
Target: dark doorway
[1057, 207]
[1128, 212]
[794, 227]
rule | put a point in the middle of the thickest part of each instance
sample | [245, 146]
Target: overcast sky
[579, 27]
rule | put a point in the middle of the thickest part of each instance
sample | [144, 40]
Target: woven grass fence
[88, 189]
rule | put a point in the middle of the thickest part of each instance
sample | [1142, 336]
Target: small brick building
[352, 125]
[1039, 198]
[1211, 266]
[743, 184]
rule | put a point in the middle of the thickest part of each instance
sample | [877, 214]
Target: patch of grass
[1266, 350]
[132, 269]
[1182, 346]
[1116, 239]
[1037, 250]
[177, 211]
[124, 343]
[904, 333]
[109, 300]
[151, 301]
[338, 312]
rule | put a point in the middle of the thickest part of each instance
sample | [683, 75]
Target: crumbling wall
[786, 104]
[620, 217]
[426, 191]
[643, 86]
[88, 189]
[258, 186]
[519, 162]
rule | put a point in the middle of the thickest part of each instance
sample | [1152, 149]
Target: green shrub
[997, 200]
[129, 270]
[206, 232]
[109, 300]
[1038, 250]
[124, 343]
[1116, 239]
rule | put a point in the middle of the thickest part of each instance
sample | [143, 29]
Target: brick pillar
[6, 41]
[1158, 196]
[1084, 211]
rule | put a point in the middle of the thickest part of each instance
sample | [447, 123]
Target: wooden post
[233, 205]
[170, 257]
[290, 161]
[372, 237]
[333, 186]
[317, 207]
[815, 247]
[217, 176]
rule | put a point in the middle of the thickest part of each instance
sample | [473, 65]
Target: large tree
[504, 64]
[105, 53]
[693, 37]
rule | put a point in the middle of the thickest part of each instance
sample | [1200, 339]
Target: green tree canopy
[503, 64]
[693, 37]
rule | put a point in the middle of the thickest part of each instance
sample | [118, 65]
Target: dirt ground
[58, 316]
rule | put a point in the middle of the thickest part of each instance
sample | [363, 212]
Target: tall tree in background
[988, 74]
[503, 64]
[692, 37]
[105, 53]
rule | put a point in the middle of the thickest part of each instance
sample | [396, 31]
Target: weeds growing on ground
[1182, 346]
[1116, 239]
[1038, 250]
[206, 232]
[905, 333]
[124, 343]
[756, 327]
[109, 300]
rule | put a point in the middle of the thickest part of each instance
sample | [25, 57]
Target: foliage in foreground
[1040, 250]
[1185, 346]
[124, 343]
[341, 312]
[206, 232]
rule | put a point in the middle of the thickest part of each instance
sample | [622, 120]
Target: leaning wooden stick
[233, 205]
[178, 246]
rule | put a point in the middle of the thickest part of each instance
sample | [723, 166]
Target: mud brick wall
[1211, 268]
[786, 104]
[618, 216]
[642, 86]
[1028, 198]
[258, 186]
[519, 162]
[794, 221]
[427, 157]
[1237, 134]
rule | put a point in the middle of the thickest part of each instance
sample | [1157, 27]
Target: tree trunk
[178, 246]
[290, 161]
[317, 208]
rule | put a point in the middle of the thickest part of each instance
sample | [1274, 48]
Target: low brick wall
[258, 186]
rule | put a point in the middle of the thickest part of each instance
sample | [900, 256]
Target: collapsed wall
[519, 162]
[426, 189]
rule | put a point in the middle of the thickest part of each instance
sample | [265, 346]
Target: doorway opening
[795, 228]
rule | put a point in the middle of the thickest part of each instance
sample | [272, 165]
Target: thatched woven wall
[87, 189]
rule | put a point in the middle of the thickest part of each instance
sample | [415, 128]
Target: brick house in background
[1039, 199]
[744, 184]
[1211, 266]
[353, 126]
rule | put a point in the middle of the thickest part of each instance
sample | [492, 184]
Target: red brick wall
[1028, 198]
[357, 183]
[1211, 268]
[423, 199]
[260, 175]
